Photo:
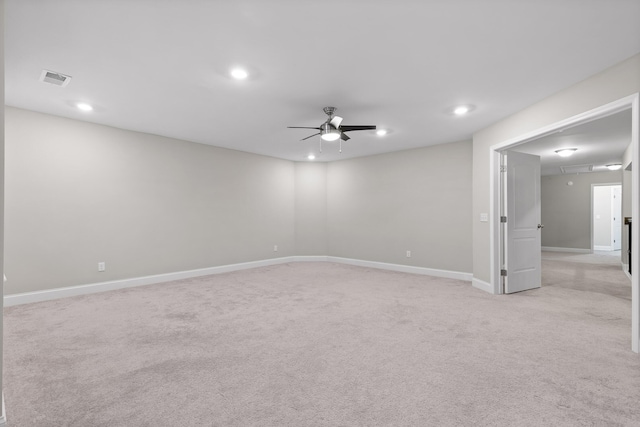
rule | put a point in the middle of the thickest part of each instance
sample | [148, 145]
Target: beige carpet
[600, 272]
[319, 344]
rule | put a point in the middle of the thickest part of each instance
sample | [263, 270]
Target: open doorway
[629, 104]
[606, 218]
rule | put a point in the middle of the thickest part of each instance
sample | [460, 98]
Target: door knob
[540, 226]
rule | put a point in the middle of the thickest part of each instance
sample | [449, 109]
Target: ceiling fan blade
[301, 127]
[344, 136]
[347, 128]
[310, 136]
[335, 122]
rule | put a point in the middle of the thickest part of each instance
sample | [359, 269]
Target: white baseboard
[574, 250]
[482, 285]
[625, 269]
[71, 291]
[51, 294]
[447, 274]
[602, 248]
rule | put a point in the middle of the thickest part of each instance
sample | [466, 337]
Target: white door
[523, 228]
[616, 217]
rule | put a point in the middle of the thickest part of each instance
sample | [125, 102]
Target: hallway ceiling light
[381, 132]
[566, 152]
[614, 167]
[311, 157]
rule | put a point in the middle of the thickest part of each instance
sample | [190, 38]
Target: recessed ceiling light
[381, 132]
[239, 74]
[614, 167]
[311, 157]
[461, 110]
[566, 152]
[84, 106]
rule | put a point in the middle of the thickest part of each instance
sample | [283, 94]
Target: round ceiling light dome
[566, 152]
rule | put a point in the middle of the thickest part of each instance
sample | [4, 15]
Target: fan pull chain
[321, 144]
[340, 144]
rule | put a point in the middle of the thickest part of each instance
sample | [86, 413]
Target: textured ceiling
[161, 66]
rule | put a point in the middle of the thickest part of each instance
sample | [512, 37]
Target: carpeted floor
[599, 272]
[320, 344]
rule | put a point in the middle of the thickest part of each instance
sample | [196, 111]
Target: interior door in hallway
[522, 230]
[616, 217]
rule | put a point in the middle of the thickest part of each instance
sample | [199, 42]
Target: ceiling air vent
[577, 169]
[54, 78]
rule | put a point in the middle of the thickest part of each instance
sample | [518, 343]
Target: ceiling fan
[333, 129]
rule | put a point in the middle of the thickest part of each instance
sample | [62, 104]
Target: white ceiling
[161, 66]
[599, 143]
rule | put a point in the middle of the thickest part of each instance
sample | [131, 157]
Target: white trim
[631, 101]
[482, 285]
[70, 291]
[602, 248]
[310, 258]
[3, 417]
[635, 215]
[625, 270]
[573, 250]
[447, 274]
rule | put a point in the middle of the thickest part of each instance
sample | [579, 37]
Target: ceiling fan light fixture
[614, 166]
[329, 133]
[566, 152]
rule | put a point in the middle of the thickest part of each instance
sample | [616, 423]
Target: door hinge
[503, 272]
[503, 219]
[503, 168]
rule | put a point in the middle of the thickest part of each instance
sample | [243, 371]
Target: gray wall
[566, 209]
[311, 208]
[79, 193]
[419, 200]
[610, 85]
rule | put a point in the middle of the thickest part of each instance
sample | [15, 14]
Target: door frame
[629, 102]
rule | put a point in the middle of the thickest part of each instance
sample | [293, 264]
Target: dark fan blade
[347, 128]
[310, 136]
[344, 136]
[301, 127]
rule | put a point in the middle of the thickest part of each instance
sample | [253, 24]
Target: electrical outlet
[275, 248]
[408, 254]
[101, 266]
